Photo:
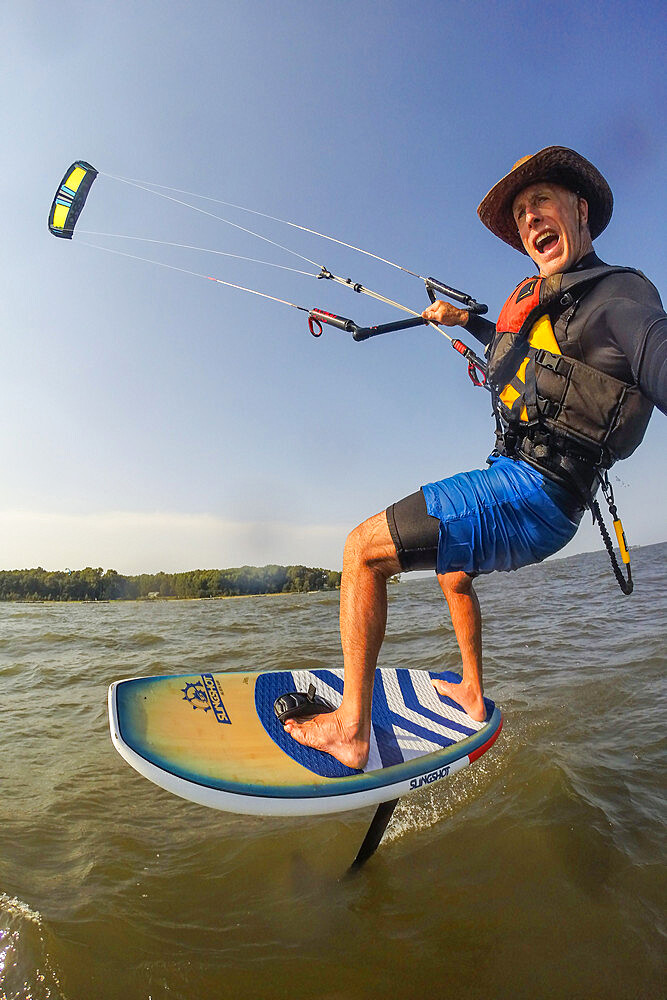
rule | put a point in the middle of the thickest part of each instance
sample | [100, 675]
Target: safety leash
[625, 582]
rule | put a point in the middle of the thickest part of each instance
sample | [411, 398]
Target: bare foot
[470, 699]
[331, 735]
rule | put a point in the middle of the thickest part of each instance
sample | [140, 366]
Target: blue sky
[153, 420]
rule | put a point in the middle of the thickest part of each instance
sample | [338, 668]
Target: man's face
[553, 226]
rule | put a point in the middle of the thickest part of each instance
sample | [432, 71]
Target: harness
[566, 418]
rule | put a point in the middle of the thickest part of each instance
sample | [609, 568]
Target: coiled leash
[625, 582]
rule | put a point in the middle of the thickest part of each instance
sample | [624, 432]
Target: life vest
[552, 409]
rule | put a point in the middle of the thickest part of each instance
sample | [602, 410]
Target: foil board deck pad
[214, 738]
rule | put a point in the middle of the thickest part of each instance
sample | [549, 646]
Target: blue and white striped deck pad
[409, 718]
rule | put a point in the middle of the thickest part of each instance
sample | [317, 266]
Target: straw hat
[559, 165]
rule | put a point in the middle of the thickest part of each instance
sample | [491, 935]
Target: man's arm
[447, 314]
[630, 310]
[482, 329]
[647, 355]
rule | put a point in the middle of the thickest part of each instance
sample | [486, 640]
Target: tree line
[107, 585]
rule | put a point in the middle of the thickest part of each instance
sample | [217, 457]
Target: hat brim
[560, 166]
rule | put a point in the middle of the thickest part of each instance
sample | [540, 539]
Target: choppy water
[537, 873]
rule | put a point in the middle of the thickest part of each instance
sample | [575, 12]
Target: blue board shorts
[498, 518]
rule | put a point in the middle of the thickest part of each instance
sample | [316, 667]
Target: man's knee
[455, 583]
[370, 544]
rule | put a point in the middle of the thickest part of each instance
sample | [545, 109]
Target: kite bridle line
[316, 317]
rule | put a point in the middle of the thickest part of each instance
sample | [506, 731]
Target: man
[576, 361]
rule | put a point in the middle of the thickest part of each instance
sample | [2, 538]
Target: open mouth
[546, 241]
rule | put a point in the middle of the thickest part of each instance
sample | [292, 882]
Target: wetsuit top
[618, 327]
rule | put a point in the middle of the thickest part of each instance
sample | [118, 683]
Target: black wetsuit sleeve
[481, 329]
[636, 322]
[648, 361]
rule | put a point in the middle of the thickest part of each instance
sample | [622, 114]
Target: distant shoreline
[157, 600]
[95, 586]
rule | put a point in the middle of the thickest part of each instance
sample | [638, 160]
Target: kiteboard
[215, 738]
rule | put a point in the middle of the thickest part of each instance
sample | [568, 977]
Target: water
[536, 873]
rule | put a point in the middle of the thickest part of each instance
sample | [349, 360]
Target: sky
[154, 420]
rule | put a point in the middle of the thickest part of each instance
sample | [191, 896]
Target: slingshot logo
[196, 695]
[205, 695]
[426, 779]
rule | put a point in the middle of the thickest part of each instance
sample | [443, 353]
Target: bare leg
[467, 621]
[368, 561]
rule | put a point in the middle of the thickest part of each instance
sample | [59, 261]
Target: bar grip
[433, 285]
[364, 332]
